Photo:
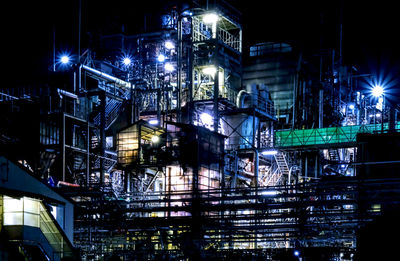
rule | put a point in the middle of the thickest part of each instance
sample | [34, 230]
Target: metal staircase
[113, 108]
[334, 155]
[274, 177]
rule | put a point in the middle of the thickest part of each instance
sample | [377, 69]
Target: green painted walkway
[325, 136]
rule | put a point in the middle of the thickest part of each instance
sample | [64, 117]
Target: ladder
[283, 169]
[334, 154]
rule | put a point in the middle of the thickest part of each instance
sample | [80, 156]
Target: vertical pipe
[158, 105]
[102, 135]
[190, 84]
[256, 163]
[79, 30]
[216, 93]
[321, 108]
[306, 167]
[179, 63]
[63, 147]
[87, 154]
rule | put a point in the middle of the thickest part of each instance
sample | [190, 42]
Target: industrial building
[183, 144]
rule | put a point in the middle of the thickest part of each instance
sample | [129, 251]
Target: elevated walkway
[344, 136]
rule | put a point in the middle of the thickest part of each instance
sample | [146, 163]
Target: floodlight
[153, 122]
[161, 58]
[155, 139]
[377, 91]
[127, 61]
[206, 118]
[169, 67]
[269, 152]
[210, 70]
[64, 59]
[269, 193]
[169, 45]
[210, 18]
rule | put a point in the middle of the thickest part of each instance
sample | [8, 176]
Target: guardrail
[326, 136]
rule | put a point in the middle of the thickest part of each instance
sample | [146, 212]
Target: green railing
[326, 136]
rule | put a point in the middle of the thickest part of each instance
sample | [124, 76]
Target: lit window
[31, 205]
[31, 219]
[12, 204]
[23, 211]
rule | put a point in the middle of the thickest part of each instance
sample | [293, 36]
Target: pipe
[68, 94]
[107, 76]
[240, 100]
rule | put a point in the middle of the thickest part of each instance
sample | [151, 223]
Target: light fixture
[169, 67]
[161, 58]
[296, 253]
[377, 91]
[64, 59]
[209, 70]
[269, 152]
[155, 139]
[127, 61]
[169, 45]
[269, 193]
[153, 121]
[206, 118]
[210, 18]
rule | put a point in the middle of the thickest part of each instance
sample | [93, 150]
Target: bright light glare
[210, 18]
[169, 45]
[169, 67]
[211, 70]
[206, 118]
[296, 253]
[269, 193]
[351, 106]
[269, 152]
[155, 139]
[127, 61]
[161, 58]
[377, 91]
[64, 59]
[153, 122]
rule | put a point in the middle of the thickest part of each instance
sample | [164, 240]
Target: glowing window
[23, 211]
[12, 204]
[12, 219]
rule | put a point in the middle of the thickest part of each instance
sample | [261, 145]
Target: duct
[107, 76]
[240, 129]
[240, 99]
[68, 94]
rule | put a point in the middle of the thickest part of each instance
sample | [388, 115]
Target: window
[21, 211]
[13, 208]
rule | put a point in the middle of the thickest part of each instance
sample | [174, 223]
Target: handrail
[53, 234]
[326, 136]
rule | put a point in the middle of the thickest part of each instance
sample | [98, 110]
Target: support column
[179, 72]
[102, 141]
[216, 94]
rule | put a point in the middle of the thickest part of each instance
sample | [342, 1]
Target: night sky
[370, 29]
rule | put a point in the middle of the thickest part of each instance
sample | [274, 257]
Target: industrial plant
[182, 143]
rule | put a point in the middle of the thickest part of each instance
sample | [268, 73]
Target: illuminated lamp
[210, 18]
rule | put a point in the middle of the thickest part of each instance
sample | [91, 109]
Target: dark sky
[370, 29]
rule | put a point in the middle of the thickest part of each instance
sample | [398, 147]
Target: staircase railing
[54, 235]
